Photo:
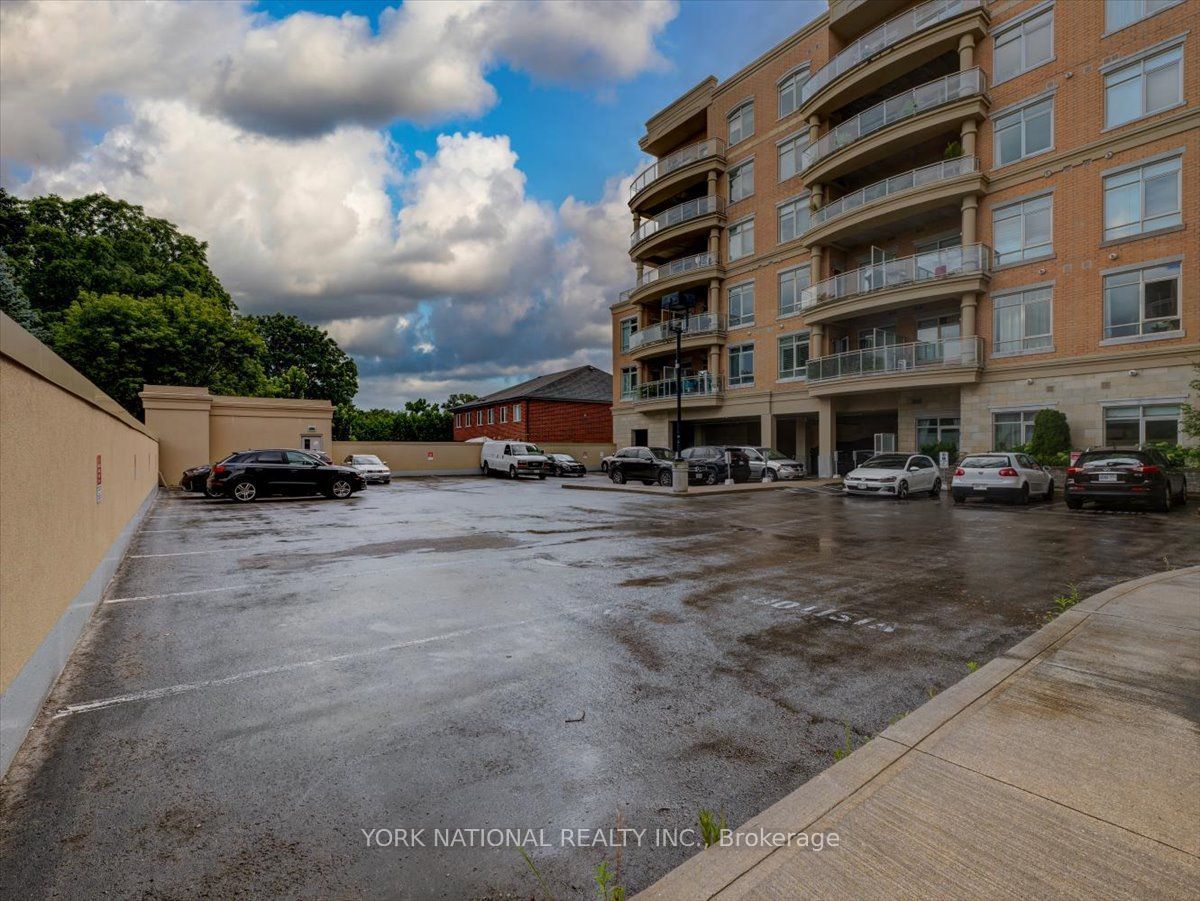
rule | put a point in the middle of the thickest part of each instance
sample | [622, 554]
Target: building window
[1141, 424]
[741, 364]
[516, 412]
[504, 414]
[1143, 199]
[789, 155]
[937, 430]
[491, 415]
[792, 283]
[1024, 231]
[458, 420]
[479, 416]
[1023, 321]
[629, 382]
[1144, 87]
[1024, 132]
[1012, 429]
[741, 239]
[793, 356]
[628, 327]
[741, 305]
[1024, 46]
[789, 91]
[794, 217]
[741, 181]
[741, 122]
[1119, 13]
[1141, 301]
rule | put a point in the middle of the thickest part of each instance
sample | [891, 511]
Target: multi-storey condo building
[928, 221]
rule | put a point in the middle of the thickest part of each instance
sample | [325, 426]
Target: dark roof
[583, 383]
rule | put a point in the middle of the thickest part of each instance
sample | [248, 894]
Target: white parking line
[176, 554]
[174, 594]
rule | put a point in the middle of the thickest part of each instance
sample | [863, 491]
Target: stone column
[827, 437]
[814, 128]
[714, 296]
[712, 183]
[970, 215]
[966, 52]
[970, 303]
[767, 434]
[714, 359]
[816, 341]
[802, 440]
[817, 253]
[714, 243]
[640, 270]
[968, 133]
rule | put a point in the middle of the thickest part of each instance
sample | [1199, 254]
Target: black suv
[645, 464]
[707, 464]
[1143, 475]
[247, 475]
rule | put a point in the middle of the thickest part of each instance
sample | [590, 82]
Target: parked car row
[523, 458]
[706, 465]
[247, 475]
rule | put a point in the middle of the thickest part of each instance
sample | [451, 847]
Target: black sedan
[196, 479]
[248, 475]
[706, 464]
[1143, 476]
[565, 465]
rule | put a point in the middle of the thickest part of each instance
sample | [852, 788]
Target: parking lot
[266, 681]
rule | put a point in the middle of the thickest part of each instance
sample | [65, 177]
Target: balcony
[696, 269]
[899, 45]
[922, 277]
[849, 17]
[896, 123]
[702, 390]
[657, 235]
[673, 173]
[702, 330]
[891, 201]
[950, 361]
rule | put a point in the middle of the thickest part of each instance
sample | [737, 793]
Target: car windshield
[366, 460]
[984, 463]
[773, 454]
[707, 452]
[563, 458]
[1111, 458]
[661, 453]
[885, 461]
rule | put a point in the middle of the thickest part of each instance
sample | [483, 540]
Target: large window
[1141, 424]
[1024, 231]
[741, 122]
[629, 382]
[789, 91]
[1023, 321]
[504, 414]
[479, 416]
[792, 283]
[793, 356]
[789, 155]
[741, 305]
[1024, 46]
[628, 328]
[794, 217]
[1142, 301]
[741, 239]
[1119, 13]
[937, 430]
[516, 412]
[1024, 132]
[1012, 428]
[741, 181]
[741, 364]
[1143, 199]
[1147, 86]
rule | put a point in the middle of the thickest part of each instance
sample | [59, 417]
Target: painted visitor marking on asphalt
[833, 614]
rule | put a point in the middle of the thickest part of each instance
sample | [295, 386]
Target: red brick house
[570, 406]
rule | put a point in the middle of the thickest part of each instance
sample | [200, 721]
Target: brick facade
[541, 421]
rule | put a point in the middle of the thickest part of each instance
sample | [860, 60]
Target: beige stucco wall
[412, 457]
[54, 532]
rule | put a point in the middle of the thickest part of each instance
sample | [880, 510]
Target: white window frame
[742, 174]
[1029, 344]
[739, 113]
[629, 382]
[1135, 67]
[792, 273]
[516, 412]
[795, 340]
[793, 80]
[1141, 334]
[1021, 209]
[1017, 30]
[1142, 418]
[491, 415]
[942, 425]
[738, 230]
[503, 414]
[740, 289]
[625, 337]
[1020, 114]
[1109, 28]
[742, 380]
[794, 207]
[793, 144]
[458, 420]
[1140, 169]
[1027, 416]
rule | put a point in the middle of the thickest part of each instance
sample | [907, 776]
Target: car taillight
[960, 471]
[1008, 472]
[1072, 470]
[1148, 470]
[218, 469]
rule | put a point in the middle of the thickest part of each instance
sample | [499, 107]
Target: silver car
[1001, 474]
[372, 468]
[779, 466]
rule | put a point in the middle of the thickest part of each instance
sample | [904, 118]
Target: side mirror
[913, 468]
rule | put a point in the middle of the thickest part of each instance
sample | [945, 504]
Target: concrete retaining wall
[436, 458]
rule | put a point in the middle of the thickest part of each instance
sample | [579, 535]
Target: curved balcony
[922, 277]
[850, 17]
[702, 390]
[950, 361]
[900, 121]
[703, 329]
[696, 269]
[901, 44]
[892, 200]
[658, 234]
[679, 170]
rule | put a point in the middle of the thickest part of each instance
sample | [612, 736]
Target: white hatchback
[894, 475]
[1001, 474]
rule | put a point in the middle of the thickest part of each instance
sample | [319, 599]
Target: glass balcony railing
[676, 160]
[660, 332]
[689, 209]
[886, 35]
[704, 384]
[898, 359]
[917, 269]
[673, 268]
[896, 109]
[897, 184]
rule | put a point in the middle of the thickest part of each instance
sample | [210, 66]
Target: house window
[1119, 13]
[1023, 321]
[629, 382]
[937, 430]
[458, 420]
[789, 91]
[741, 122]
[1141, 424]
[794, 217]
[789, 155]
[628, 327]
[1143, 199]
[1023, 231]
[479, 416]
[1024, 46]
[741, 364]
[741, 305]
[516, 412]
[1144, 87]
[793, 356]
[741, 181]
[1141, 301]
[504, 414]
[1024, 132]
[792, 283]
[741, 239]
[491, 415]
[1012, 429]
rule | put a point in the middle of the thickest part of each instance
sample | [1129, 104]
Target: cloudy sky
[440, 184]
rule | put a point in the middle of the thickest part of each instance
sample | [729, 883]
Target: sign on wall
[99, 480]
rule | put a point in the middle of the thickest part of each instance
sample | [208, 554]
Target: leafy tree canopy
[15, 304]
[456, 400]
[301, 360]
[1051, 434]
[420, 420]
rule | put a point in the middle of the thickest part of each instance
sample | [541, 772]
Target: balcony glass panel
[697, 324]
[676, 160]
[689, 209]
[922, 267]
[905, 181]
[898, 359]
[704, 384]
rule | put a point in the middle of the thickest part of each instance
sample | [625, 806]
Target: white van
[513, 459]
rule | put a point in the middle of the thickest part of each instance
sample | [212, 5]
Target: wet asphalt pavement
[264, 682]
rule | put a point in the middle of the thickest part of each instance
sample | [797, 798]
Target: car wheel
[960, 498]
[711, 477]
[902, 491]
[936, 489]
[541, 476]
[212, 492]
[244, 492]
[487, 471]
[664, 478]
[1074, 503]
[769, 475]
[1049, 495]
[1023, 497]
[1181, 499]
[512, 472]
[618, 477]
[1164, 503]
[341, 489]
[603, 466]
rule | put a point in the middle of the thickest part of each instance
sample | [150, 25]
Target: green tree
[455, 400]
[61, 248]
[301, 360]
[15, 304]
[1051, 435]
[121, 342]
[1191, 414]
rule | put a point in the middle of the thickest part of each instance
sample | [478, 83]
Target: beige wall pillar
[816, 341]
[817, 254]
[969, 305]
[714, 243]
[970, 216]
[826, 437]
[712, 183]
[714, 359]
[814, 128]
[179, 416]
[714, 296]
[637, 220]
[968, 133]
[966, 52]
[767, 432]
[801, 425]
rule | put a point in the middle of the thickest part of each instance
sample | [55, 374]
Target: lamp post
[678, 302]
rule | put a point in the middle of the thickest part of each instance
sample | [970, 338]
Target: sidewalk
[1067, 767]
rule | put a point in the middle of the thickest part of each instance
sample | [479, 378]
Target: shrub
[1051, 435]
[934, 448]
[1178, 455]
